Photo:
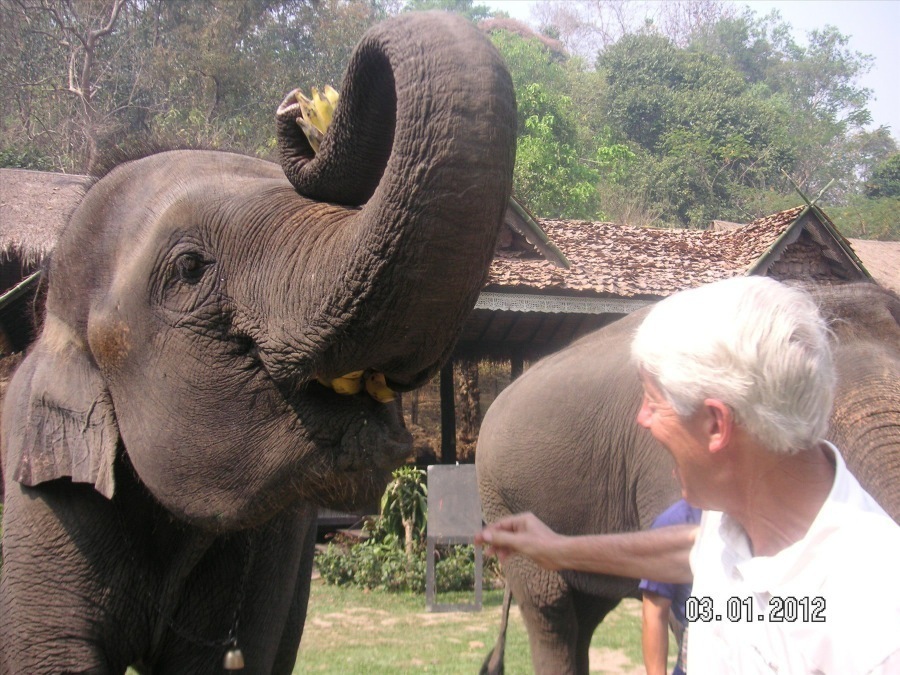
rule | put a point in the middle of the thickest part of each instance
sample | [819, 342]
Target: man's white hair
[751, 342]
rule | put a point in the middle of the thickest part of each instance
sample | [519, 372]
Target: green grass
[353, 631]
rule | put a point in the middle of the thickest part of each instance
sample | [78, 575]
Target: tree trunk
[408, 524]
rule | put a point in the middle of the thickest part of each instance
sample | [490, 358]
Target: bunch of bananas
[353, 383]
[316, 113]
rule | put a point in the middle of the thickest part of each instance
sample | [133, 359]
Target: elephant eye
[190, 267]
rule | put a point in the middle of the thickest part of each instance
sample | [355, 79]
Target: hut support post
[448, 415]
[516, 366]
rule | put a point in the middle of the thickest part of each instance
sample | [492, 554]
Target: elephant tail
[493, 663]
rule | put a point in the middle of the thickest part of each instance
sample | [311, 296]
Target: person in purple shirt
[663, 604]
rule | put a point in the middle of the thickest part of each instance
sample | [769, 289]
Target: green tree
[817, 87]
[78, 76]
[866, 218]
[555, 173]
[700, 132]
[885, 178]
[466, 8]
[404, 507]
[54, 55]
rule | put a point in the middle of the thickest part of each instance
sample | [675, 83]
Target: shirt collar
[780, 572]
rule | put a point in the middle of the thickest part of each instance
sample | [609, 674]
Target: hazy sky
[872, 26]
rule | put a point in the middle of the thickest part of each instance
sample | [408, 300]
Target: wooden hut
[531, 306]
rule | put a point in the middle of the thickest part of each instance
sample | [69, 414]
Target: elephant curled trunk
[409, 134]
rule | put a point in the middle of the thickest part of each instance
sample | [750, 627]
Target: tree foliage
[667, 113]
[560, 156]
[84, 75]
[702, 132]
[885, 178]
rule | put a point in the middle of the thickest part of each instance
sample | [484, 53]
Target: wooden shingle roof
[631, 262]
[530, 307]
[882, 259]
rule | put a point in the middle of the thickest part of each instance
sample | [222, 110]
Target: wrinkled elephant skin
[562, 442]
[166, 442]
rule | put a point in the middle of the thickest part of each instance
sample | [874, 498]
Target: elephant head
[865, 421]
[196, 297]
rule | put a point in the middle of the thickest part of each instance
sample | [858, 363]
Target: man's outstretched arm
[661, 554]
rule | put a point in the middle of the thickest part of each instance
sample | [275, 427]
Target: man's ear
[719, 422]
[58, 418]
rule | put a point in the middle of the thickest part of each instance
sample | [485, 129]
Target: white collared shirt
[829, 603]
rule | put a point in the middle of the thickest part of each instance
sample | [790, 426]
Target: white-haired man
[792, 562]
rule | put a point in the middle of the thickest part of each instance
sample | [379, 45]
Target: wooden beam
[448, 415]
[516, 365]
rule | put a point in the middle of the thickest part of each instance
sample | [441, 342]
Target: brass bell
[234, 658]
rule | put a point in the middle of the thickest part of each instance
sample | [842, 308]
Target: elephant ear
[59, 419]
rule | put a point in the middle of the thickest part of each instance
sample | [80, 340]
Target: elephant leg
[286, 655]
[546, 603]
[590, 611]
[57, 613]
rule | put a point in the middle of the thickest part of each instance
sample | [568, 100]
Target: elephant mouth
[347, 431]
[358, 448]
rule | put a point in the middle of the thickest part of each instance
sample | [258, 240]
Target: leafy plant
[27, 158]
[404, 508]
[885, 179]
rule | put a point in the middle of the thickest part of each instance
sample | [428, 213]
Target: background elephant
[166, 441]
[562, 442]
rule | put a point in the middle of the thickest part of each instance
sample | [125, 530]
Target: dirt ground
[613, 662]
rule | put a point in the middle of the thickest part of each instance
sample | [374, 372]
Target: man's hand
[523, 533]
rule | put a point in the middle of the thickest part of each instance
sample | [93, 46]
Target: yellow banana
[378, 389]
[332, 95]
[316, 114]
[322, 111]
[348, 384]
[352, 383]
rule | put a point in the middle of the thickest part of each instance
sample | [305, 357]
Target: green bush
[385, 566]
[24, 158]
[864, 218]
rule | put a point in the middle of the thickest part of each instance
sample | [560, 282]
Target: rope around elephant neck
[231, 638]
[167, 615]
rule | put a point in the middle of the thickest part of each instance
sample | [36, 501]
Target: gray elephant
[166, 442]
[562, 442]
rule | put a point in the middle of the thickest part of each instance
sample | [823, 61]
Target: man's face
[684, 438]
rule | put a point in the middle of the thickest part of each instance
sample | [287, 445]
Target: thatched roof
[34, 207]
[882, 259]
